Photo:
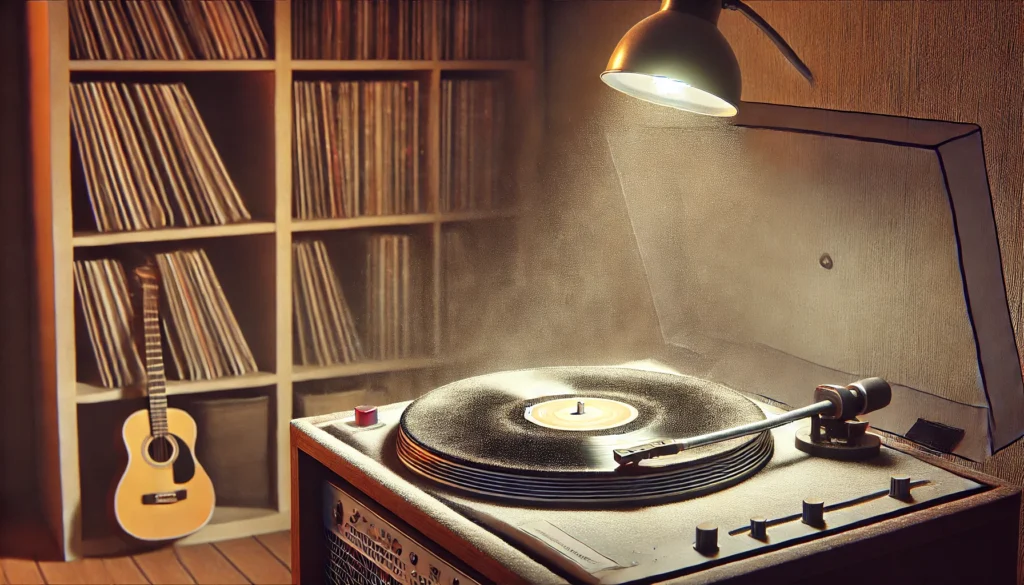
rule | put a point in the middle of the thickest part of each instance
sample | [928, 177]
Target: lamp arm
[775, 37]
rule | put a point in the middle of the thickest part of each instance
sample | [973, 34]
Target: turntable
[798, 425]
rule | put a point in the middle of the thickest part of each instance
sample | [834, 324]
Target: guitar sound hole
[161, 449]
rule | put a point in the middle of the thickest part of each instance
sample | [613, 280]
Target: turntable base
[965, 531]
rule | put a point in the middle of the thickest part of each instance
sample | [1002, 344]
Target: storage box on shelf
[238, 117]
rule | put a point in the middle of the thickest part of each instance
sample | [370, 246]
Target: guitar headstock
[147, 276]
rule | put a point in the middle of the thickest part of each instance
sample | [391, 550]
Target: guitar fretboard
[156, 387]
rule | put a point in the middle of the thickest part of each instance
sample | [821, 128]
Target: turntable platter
[547, 435]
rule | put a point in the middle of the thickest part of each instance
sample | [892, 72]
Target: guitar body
[162, 496]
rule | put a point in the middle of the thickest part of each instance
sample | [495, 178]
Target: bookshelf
[248, 107]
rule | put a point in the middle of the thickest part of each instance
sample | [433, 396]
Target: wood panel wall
[960, 61]
[17, 390]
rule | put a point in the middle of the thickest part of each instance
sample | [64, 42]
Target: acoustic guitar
[164, 493]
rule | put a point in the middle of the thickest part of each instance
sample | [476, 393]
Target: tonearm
[835, 431]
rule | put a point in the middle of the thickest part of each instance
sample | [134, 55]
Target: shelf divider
[50, 135]
[281, 452]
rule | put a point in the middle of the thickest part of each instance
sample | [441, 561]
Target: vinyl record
[547, 435]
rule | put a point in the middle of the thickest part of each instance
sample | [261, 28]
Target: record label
[584, 413]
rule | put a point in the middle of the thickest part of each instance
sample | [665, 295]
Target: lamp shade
[677, 59]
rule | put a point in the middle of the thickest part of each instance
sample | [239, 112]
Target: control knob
[366, 416]
[707, 539]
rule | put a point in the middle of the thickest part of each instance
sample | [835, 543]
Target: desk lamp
[677, 57]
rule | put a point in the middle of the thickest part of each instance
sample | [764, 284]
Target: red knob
[366, 416]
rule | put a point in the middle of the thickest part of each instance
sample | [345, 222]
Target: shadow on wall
[576, 259]
[580, 296]
[18, 480]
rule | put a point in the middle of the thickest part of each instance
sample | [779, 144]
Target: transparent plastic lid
[796, 246]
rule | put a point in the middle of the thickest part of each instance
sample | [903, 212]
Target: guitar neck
[156, 387]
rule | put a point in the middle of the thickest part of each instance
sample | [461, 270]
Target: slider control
[759, 528]
[814, 513]
[707, 539]
[899, 488]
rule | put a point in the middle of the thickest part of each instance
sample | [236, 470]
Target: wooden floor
[262, 559]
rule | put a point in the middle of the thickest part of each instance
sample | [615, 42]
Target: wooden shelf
[227, 522]
[367, 65]
[352, 223]
[484, 215]
[145, 65]
[407, 65]
[305, 373]
[85, 240]
[89, 394]
[481, 65]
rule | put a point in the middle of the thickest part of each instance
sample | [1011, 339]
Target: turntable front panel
[588, 546]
